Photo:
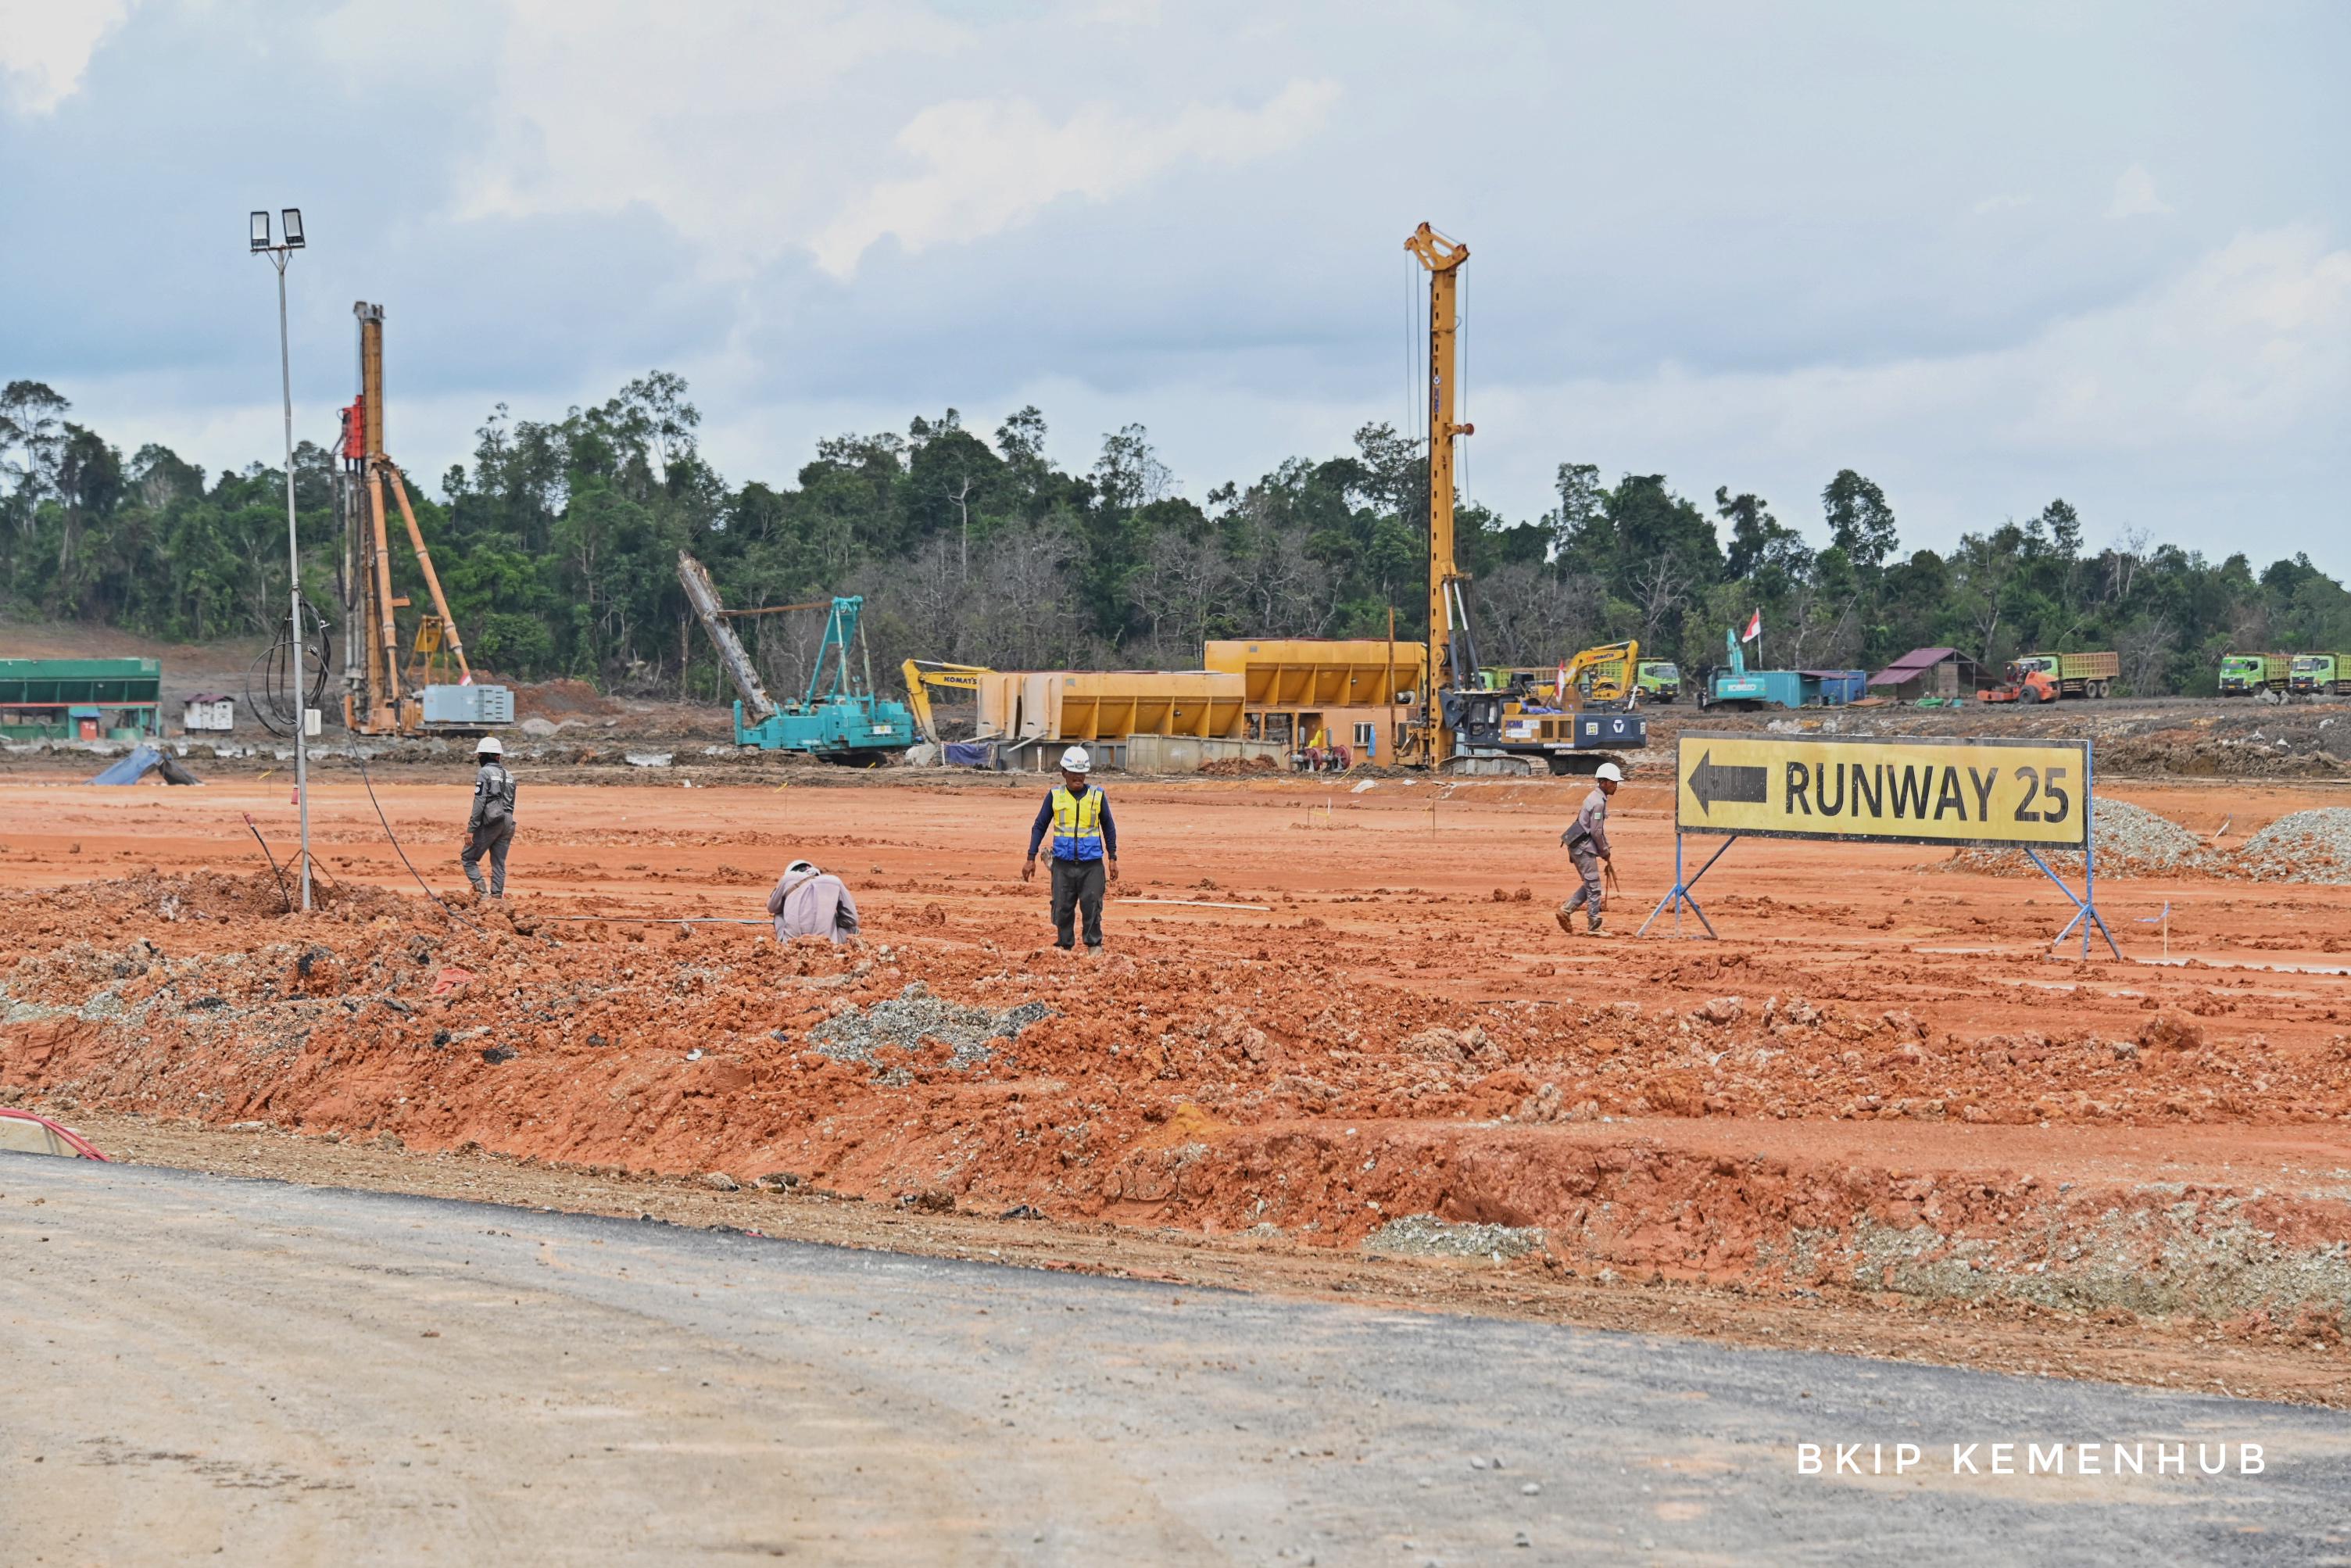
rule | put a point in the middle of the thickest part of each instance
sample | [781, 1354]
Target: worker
[811, 902]
[1587, 844]
[491, 827]
[1085, 841]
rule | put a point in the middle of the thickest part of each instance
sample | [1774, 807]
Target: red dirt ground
[1876, 1080]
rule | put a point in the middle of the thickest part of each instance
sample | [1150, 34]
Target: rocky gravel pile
[2302, 846]
[1427, 1236]
[2131, 842]
[904, 1021]
[2312, 846]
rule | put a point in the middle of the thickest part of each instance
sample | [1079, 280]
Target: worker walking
[1085, 842]
[1587, 844]
[811, 902]
[491, 827]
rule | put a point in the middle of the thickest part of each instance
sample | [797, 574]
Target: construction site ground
[1877, 1115]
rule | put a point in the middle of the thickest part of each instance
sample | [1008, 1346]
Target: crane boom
[1451, 662]
[703, 595]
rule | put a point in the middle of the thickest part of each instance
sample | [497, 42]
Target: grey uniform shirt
[491, 782]
[1592, 822]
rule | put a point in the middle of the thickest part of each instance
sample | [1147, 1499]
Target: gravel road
[200, 1365]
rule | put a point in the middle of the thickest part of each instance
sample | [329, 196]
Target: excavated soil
[1342, 1021]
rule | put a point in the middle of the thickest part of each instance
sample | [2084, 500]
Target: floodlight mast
[278, 255]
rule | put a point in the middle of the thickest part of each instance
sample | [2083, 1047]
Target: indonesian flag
[1754, 628]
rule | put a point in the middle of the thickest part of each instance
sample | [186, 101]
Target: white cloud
[2135, 196]
[2000, 204]
[46, 44]
[728, 119]
[756, 130]
[992, 163]
[2244, 356]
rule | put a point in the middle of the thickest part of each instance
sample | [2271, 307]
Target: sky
[1988, 255]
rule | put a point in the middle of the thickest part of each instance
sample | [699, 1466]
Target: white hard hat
[490, 747]
[1610, 771]
[1075, 760]
[796, 867]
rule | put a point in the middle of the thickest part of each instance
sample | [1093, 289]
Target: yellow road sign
[1962, 790]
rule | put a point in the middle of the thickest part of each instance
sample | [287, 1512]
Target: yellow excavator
[922, 675]
[1598, 677]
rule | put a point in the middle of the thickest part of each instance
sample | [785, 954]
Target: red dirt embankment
[1872, 1082]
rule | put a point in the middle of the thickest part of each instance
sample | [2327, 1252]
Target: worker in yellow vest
[1085, 842]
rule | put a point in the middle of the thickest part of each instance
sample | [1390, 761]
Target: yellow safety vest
[1077, 824]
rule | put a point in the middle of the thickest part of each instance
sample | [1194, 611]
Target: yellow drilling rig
[1462, 723]
[388, 690]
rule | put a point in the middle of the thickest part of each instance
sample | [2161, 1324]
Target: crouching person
[811, 902]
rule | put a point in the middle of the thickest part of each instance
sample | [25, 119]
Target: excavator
[1459, 716]
[922, 675]
[1595, 678]
[1604, 674]
[832, 720]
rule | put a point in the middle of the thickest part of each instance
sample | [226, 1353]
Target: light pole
[279, 255]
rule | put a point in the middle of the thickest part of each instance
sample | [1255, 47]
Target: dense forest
[557, 546]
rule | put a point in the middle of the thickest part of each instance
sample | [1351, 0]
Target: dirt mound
[1239, 767]
[559, 700]
[935, 1061]
[207, 895]
[2202, 754]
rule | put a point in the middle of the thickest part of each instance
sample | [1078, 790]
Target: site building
[1928, 673]
[69, 699]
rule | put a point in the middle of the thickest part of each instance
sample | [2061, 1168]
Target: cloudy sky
[1987, 253]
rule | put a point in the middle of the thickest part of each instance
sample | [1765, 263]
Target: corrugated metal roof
[1911, 666]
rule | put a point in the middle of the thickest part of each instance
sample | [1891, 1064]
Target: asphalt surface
[200, 1367]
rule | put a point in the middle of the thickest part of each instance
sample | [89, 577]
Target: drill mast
[1452, 662]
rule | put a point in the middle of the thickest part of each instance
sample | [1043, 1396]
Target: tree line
[556, 544]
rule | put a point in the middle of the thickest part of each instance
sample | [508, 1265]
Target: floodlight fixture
[293, 216]
[261, 231]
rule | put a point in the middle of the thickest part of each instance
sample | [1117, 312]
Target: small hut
[1928, 673]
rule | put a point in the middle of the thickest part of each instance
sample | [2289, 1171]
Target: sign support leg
[2086, 913]
[1680, 895]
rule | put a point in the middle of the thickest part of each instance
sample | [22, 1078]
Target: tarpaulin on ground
[143, 760]
[971, 754]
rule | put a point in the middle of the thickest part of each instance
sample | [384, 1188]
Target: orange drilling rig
[384, 693]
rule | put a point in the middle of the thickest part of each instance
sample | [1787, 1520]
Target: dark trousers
[490, 839]
[1077, 886]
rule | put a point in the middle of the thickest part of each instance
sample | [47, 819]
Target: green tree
[1860, 521]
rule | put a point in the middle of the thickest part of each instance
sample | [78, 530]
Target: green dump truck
[2074, 675]
[2320, 674]
[2246, 674]
[1660, 680]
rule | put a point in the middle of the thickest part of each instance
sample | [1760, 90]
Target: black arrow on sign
[1740, 785]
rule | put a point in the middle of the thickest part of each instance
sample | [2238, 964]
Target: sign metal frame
[2085, 908]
